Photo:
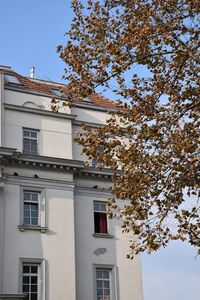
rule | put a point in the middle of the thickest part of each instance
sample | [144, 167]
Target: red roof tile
[42, 87]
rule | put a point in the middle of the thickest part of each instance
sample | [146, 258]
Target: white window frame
[40, 263]
[112, 279]
[38, 202]
[9, 78]
[30, 138]
[41, 209]
[94, 160]
[100, 211]
[57, 92]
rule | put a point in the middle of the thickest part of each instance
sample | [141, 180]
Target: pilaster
[1, 110]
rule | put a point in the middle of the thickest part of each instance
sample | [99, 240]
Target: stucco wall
[56, 246]
[127, 283]
[54, 135]
[68, 249]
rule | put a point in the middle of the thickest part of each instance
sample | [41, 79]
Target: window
[12, 79]
[32, 278]
[30, 142]
[100, 150]
[30, 281]
[86, 99]
[31, 208]
[100, 218]
[57, 92]
[103, 284]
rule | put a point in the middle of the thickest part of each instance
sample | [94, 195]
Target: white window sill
[103, 235]
[32, 227]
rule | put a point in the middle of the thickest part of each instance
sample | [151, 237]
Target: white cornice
[39, 182]
[39, 111]
[95, 193]
[11, 157]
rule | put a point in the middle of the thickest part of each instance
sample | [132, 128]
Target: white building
[56, 242]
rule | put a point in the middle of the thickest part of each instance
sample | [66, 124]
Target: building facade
[56, 242]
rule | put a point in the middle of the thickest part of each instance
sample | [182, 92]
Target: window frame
[57, 92]
[94, 160]
[37, 139]
[40, 263]
[41, 226]
[112, 279]
[100, 211]
[16, 81]
[32, 201]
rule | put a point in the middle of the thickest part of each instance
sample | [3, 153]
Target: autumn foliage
[148, 53]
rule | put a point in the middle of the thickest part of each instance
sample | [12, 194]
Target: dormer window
[12, 79]
[57, 92]
[86, 99]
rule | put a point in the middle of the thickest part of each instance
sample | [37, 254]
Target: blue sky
[29, 33]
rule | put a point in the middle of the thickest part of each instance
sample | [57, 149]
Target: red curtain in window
[102, 223]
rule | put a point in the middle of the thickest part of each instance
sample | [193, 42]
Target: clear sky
[30, 30]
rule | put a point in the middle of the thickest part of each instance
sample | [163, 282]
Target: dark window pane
[96, 206]
[99, 284]
[26, 213]
[34, 296]
[26, 141]
[34, 213]
[99, 206]
[105, 274]
[102, 207]
[33, 134]
[99, 274]
[27, 297]
[33, 279]
[26, 269]
[26, 196]
[25, 279]
[34, 221]
[34, 288]
[27, 221]
[34, 197]
[27, 206]
[99, 291]
[25, 288]
[34, 269]
[106, 292]
[26, 133]
[34, 206]
[106, 284]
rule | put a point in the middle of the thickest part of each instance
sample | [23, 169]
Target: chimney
[32, 72]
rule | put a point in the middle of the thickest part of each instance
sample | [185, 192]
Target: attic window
[86, 99]
[57, 92]
[12, 79]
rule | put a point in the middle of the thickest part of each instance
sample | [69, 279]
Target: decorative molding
[39, 111]
[103, 235]
[39, 182]
[89, 124]
[12, 296]
[91, 192]
[23, 228]
[11, 157]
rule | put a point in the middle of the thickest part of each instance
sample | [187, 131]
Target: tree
[150, 51]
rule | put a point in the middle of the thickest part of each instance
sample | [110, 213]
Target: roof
[46, 87]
